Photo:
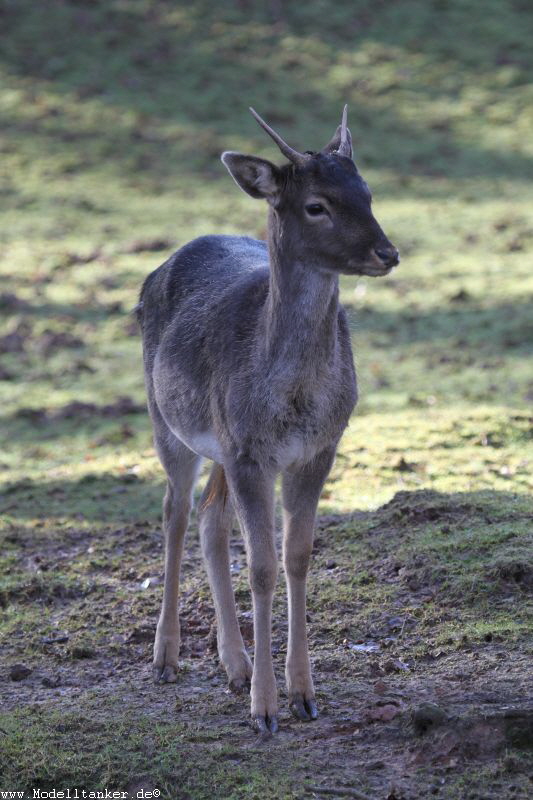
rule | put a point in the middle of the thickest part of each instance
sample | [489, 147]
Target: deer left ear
[334, 144]
[255, 176]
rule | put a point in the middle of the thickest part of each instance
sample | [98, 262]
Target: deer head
[320, 205]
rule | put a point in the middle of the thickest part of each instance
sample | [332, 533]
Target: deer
[248, 362]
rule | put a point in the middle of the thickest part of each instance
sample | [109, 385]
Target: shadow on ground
[183, 64]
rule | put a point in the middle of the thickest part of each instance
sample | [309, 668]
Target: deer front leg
[301, 492]
[253, 495]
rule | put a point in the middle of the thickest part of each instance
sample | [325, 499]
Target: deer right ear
[255, 176]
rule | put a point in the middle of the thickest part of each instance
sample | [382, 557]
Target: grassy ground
[114, 115]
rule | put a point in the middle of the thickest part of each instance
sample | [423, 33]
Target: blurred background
[114, 115]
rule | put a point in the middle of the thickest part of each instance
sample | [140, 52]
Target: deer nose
[389, 255]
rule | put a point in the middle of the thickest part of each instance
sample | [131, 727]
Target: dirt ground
[397, 721]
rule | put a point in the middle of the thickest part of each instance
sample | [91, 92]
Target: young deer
[248, 363]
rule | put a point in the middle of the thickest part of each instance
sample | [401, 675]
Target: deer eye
[315, 209]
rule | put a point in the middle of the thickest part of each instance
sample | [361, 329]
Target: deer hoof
[303, 708]
[165, 674]
[265, 726]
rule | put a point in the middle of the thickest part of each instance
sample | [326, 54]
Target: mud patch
[77, 410]
[44, 590]
[473, 736]
[512, 572]
[407, 508]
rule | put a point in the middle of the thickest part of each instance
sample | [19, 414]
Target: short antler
[341, 143]
[345, 148]
[292, 155]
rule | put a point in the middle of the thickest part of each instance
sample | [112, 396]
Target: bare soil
[395, 722]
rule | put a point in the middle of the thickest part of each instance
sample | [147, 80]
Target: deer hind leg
[181, 466]
[216, 516]
[300, 493]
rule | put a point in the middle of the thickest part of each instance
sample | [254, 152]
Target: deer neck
[301, 313]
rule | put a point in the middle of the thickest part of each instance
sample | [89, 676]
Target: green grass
[63, 751]
[114, 116]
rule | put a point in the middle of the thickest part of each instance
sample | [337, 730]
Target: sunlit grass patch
[446, 449]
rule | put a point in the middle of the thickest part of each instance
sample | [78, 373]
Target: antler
[292, 155]
[341, 143]
[345, 148]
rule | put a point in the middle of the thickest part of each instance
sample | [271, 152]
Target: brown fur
[218, 487]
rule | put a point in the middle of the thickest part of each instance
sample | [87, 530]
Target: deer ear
[255, 176]
[334, 144]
